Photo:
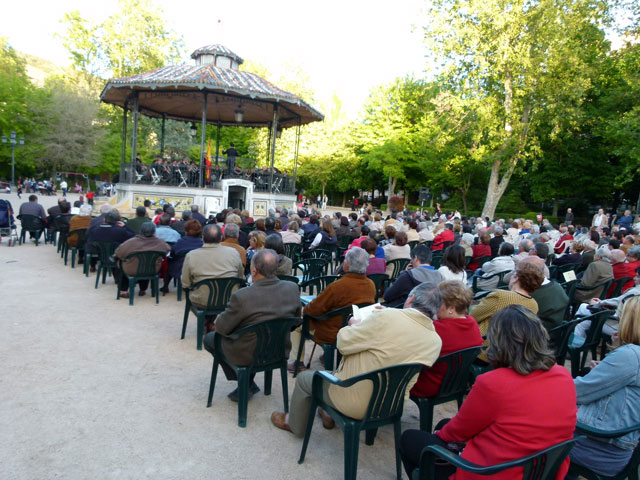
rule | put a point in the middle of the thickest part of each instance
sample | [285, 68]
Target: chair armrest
[596, 432]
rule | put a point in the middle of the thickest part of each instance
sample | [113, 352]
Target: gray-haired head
[426, 298]
[467, 239]
[604, 253]
[265, 262]
[358, 260]
[194, 208]
[212, 233]
[634, 252]
[111, 218]
[535, 228]
[141, 211]
[271, 212]
[498, 230]
[231, 230]
[85, 210]
[284, 212]
[105, 208]
[186, 215]
[525, 245]
[590, 244]
[147, 229]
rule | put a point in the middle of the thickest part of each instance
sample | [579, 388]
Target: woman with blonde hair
[256, 242]
[608, 398]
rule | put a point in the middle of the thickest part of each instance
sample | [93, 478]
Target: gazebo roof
[176, 92]
[216, 49]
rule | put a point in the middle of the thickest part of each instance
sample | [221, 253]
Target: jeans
[413, 442]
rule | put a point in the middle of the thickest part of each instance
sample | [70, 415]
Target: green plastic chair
[81, 235]
[599, 291]
[310, 268]
[541, 465]
[329, 349]
[379, 280]
[385, 407]
[561, 269]
[559, 339]
[293, 251]
[399, 265]
[269, 355]
[500, 284]
[32, 224]
[106, 260]
[594, 335]
[247, 229]
[343, 244]
[220, 291]
[413, 244]
[146, 270]
[318, 284]
[617, 285]
[436, 259]
[289, 278]
[630, 471]
[453, 387]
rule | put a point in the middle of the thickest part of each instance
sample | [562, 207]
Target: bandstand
[212, 91]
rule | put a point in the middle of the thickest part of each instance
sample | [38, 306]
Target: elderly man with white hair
[425, 234]
[524, 247]
[466, 242]
[599, 271]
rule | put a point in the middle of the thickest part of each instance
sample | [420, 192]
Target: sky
[346, 47]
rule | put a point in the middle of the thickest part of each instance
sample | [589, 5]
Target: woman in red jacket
[456, 329]
[483, 249]
[526, 404]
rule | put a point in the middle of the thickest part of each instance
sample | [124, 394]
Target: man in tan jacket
[388, 337]
[213, 260]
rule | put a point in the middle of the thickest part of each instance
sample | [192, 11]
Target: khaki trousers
[301, 402]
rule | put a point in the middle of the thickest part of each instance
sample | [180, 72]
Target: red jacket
[456, 334]
[559, 247]
[445, 236]
[623, 269]
[480, 250]
[508, 416]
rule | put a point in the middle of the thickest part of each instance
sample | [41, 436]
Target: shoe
[233, 396]
[279, 420]
[291, 367]
[327, 421]
[92, 269]
[124, 294]
[164, 290]
[141, 293]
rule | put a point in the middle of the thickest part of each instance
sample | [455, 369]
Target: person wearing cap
[145, 242]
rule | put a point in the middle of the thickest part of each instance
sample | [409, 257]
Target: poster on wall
[259, 208]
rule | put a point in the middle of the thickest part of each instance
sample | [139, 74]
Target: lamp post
[13, 140]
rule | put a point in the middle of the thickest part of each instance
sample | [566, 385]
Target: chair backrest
[31, 222]
[399, 264]
[147, 262]
[389, 387]
[293, 251]
[457, 376]
[566, 268]
[634, 461]
[219, 290]
[594, 334]
[106, 251]
[378, 280]
[81, 236]
[271, 336]
[289, 278]
[483, 260]
[559, 337]
[318, 284]
[344, 241]
[316, 253]
[413, 244]
[599, 289]
[436, 258]
[311, 267]
[616, 287]
[542, 465]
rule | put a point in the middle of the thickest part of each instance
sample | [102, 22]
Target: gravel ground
[93, 388]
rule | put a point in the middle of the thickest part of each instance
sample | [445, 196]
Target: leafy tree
[514, 59]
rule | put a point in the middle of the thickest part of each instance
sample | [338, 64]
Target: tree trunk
[392, 187]
[323, 185]
[464, 191]
[344, 199]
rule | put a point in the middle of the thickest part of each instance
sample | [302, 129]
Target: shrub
[396, 203]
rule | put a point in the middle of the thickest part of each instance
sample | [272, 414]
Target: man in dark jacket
[196, 215]
[277, 299]
[421, 271]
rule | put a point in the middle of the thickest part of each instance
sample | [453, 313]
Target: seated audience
[256, 242]
[191, 240]
[277, 299]
[365, 347]
[608, 398]
[145, 242]
[453, 263]
[412, 233]
[466, 242]
[481, 250]
[231, 234]
[136, 222]
[524, 405]
[573, 256]
[165, 232]
[350, 289]
[326, 237]
[566, 238]
[420, 271]
[274, 242]
[399, 249]
[445, 235]
[291, 235]
[598, 271]
[496, 241]
[456, 329]
[376, 265]
[78, 222]
[551, 298]
[502, 263]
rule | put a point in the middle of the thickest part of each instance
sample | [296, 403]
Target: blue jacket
[609, 396]
[178, 252]
[625, 221]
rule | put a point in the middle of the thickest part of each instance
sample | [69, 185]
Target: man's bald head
[265, 262]
[537, 261]
[617, 256]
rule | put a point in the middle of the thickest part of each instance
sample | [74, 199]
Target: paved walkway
[93, 388]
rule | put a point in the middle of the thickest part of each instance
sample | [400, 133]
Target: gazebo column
[274, 131]
[218, 142]
[295, 165]
[203, 135]
[134, 137]
[123, 152]
[164, 119]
